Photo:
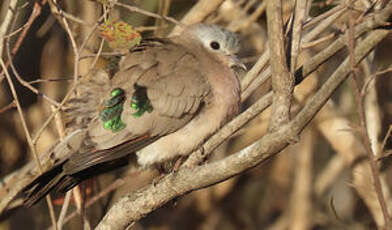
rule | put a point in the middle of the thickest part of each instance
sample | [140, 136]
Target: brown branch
[27, 134]
[113, 186]
[364, 130]
[61, 131]
[282, 81]
[254, 78]
[25, 83]
[147, 13]
[6, 23]
[34, 15]
[322, 26]
[300, 16]
[76, 51]
[316, 42]
[8, 107]
[321, 18]
[384, 142]
[300, 201]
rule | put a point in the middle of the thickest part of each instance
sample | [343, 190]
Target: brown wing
[172, 76]
[175, 87]
[84, 106]
[81, 161]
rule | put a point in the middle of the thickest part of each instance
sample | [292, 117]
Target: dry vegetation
[312, 157]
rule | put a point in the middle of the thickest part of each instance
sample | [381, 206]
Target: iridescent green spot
[111, 115]
[140, 102]
[114, 124]
[117, 92]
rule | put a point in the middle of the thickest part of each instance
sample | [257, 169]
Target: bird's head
[223, 43]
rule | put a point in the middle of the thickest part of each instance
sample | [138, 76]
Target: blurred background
[321, 182]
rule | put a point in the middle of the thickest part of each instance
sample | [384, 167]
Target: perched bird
[167, 97]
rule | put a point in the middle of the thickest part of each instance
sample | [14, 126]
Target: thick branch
[282, 82]
[6, 23]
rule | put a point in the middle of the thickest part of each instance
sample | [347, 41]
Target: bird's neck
[223, 80]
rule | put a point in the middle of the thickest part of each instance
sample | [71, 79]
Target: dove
[167, 97]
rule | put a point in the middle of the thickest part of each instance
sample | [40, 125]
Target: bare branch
[282, 81]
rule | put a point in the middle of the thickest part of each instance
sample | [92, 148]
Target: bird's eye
[215, 45]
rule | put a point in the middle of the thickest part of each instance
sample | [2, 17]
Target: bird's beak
[235, 62]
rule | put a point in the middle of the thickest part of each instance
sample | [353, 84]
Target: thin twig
[74, 85]
[49, 80]
[300, 200]
[64, 209]
[102, 54]
[113, 186]
[147, 13]
[6, 23]
[96, 58]
[28, 136]
[254, 78]
[310, 44]
[384, 142]
[34, 15]
[7, 107]
[25, 83]
[61, 132]
[300, 16]
[364, 130]
[327, 14]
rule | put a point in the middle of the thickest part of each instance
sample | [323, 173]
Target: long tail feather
[41, 186]
[56, 180]
[79, 166]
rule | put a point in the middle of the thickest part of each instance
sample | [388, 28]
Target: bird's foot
[178, 163]
[157, 179]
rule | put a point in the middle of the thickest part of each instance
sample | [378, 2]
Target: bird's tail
[56, 180]
[41, 186]
[57, 155]
[79, 162]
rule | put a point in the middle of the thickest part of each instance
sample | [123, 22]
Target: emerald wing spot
[140, 102]
[111, 115]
